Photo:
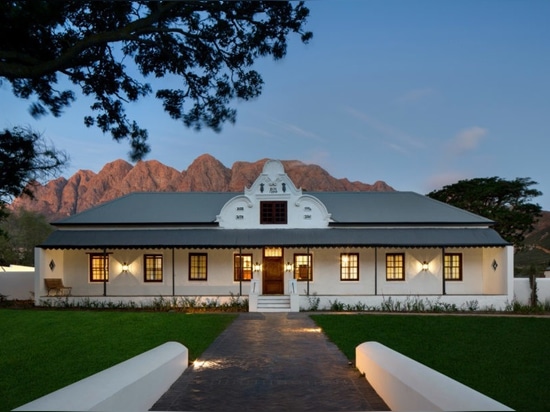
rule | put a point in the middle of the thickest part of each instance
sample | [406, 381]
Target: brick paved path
[271, 361]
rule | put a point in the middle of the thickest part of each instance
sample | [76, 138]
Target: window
[273, 252]
[395, 266]
[349, 266]
[273, 213]
[244, 270]
[153, 268]
[453, 266]
[303, 269]
[99, 267]
[198, 266]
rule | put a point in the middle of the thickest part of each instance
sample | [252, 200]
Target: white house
[277, 243]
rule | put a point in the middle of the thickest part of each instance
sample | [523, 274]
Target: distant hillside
[537, 252]
[64, 197]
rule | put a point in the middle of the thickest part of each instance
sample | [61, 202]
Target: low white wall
[133, 385]
[17, 284]
[522, 290]
[407, 385]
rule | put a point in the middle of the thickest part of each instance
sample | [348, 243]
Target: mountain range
[63, 197]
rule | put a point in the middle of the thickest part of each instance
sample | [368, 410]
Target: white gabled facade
[293, 248]
[303, 211]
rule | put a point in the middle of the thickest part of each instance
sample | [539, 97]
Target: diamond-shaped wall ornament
[52, 265]
[494, 265]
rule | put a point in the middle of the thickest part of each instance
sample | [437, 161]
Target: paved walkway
[271, 361]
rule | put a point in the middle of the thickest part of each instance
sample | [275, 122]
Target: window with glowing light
[452, 267]
[395, 266]
[242, 267]
[153, 268]
[303, 267]
[349, 266]
[273, 252]
[99, 267]
[198, 266]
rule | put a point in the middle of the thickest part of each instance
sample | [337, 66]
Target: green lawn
[42, 350]
[506, 358]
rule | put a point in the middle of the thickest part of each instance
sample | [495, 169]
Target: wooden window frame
[273, 212]
[349, 267]
[98, 269]
[395, 267]
[448, 268]
[246, 272]
[193, 275]
[155, 271]
[309, 266]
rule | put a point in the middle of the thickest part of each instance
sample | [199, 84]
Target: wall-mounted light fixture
[288, 267]
[425, 266]
[125, 267]
[257, 267]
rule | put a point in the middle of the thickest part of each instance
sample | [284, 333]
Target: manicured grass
[42, 351]
[506, 358]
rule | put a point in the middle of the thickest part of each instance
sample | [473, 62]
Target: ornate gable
[273, 202]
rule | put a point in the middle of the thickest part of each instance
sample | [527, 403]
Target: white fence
[17, 282]
[522, 290]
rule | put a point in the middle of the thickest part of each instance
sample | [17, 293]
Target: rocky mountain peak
[63, 197]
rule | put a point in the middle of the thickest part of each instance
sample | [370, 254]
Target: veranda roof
[254, 238]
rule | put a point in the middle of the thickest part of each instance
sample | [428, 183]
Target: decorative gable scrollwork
[273, 185]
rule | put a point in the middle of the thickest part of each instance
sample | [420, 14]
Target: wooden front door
[273, 276]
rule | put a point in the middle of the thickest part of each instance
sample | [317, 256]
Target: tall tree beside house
[507, 202]
[25, 158]
[107, 49]
[24, 230]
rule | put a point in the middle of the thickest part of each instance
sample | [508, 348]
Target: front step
[274, 303]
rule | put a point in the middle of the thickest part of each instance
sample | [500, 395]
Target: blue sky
[418, 94]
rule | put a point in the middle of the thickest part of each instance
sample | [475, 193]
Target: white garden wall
[522, 290]
[407, 385]
[133, 385]
[17, 282]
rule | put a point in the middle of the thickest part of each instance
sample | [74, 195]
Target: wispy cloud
[467, 140]
[318, 156]
[257, 131]
[415, 95]
[400, 140]
[451, 167]
[437, 181]
[297, 131]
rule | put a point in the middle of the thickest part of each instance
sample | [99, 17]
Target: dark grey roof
[232, 238]
[154, 208]
[344, 207]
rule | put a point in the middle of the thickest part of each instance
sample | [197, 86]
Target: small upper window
[273, 213]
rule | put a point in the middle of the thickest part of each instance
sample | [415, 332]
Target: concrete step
[273, 303]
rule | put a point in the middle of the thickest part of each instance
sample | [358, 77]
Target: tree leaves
[506, 202]
[108, 49]
[25, 157]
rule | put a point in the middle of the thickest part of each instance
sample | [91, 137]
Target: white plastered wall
[73, 267]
